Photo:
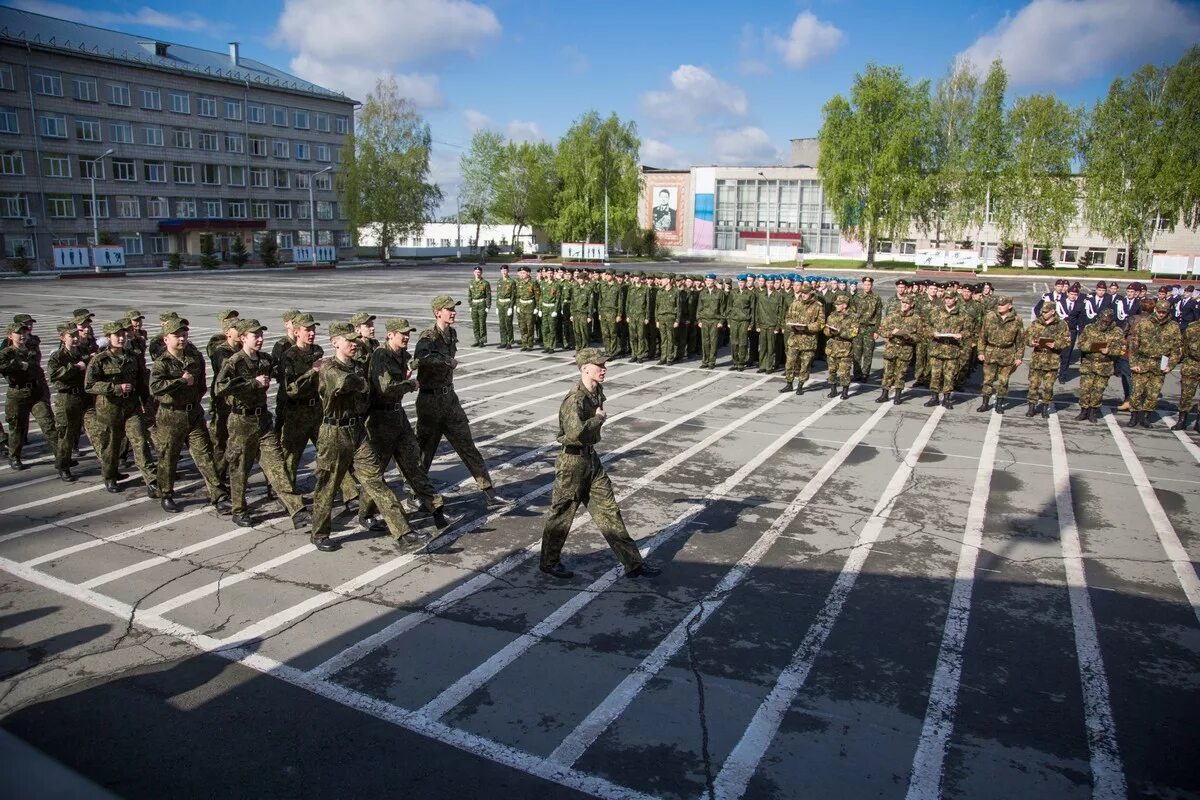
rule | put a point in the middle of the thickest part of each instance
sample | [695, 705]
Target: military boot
[932, 401]
[1147, 419]
[1032, 410]
[948, 400]
[1094, 414]
[883, 397]
[846, 392]
[833, 390]
[1046, 411]
[985, 403]
[896, 400]
[1181, 423]
[787, 387]
[1134, 419]
[1084, 414]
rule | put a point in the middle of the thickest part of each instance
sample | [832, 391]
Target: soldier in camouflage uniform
[506, 303]
[1047, 336]
[479, 295]
[113, 377]
[281, 346]
[769, 313]
[945, 350]
[28, 394]
[1152, 337]
[923, 305]
[637, 314]
[710, 304]
[220, 347]
[1189, 374]
[177, 381]
[668, 306]
[579, 476]
[579, 305]
[439, 412]
[549, 306]
[243, 383]
[805, 319]
[67, 368]
[841, 334]
[1000, 349]
[868, 308]
[1100, 345]
[609, 309]
[364, 323]
[526, 300]
[342, 444]
[900, 330]
[974, 310]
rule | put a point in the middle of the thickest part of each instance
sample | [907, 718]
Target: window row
[66, 206]
[50, 83]
[137, 244]
[58, 165]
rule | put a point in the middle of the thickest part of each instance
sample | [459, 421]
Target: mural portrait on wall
[665, 205]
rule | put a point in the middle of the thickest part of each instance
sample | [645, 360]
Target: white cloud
[522, 131]
[808, 39]
[144, 17]
[695, 95]
[657, 153]
[1060, 42]
[754, 67]
[476, 120]
[347, 45]
[745, 146]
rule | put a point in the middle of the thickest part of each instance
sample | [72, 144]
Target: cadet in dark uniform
[579, 476]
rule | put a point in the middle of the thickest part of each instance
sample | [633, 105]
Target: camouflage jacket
[238, 382]
[167, 384]
[710, 305]
[869, 310]
[841, 327]
[578, 424]
[1000, 339]
[298, 380]
[434, 355]
[805, 318]
[942, 320]
[1190, 364]
[344, 391]
[1045, 353]
[1093, 337]
[1151, 339]
[479, 294]
[902, 331]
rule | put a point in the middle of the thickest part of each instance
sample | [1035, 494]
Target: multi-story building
[730, 212]
[175, 143]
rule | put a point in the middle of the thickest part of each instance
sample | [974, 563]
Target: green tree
[945, 185]
[525, 185]
[268, 250]
[385, 178]
[480, 167]
[1181, 133]
[1037, 189]
[1123, 150]
[237, 251]
[874, 147]
[989, 148]
[596, 157]
[208, 259]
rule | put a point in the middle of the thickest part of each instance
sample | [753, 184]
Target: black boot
[1181, 423]
[1134, 419]
[883, 397]
[799, 388]
[169, 505]
[1046, 411]
[787, 387]
[846, 392]
[1083, 415]
[999, 404]
[932, 401]
[948, 400]
[833, 392]
[1031, 411]
[1094, 414]
[1147, 420]
[896, 399]
[985, 403]
[65, 475]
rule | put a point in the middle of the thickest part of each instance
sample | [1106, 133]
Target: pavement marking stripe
[461, 689]
[537, 385]
[116, 537]
[925, 781]
[365, 646]
[1188, 444]
[1180, 561]
[1108, 778]
[598, 720]
[268, 624]
[386, 712]
[743, 760]
[148, 563]
[555, 395]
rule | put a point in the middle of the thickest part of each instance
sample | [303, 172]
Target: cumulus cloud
[476, 120]
[745, 146]
[808, 39]
[145, 16]
[351, 43]
[657, 153]
[1060, 42]
[521, 131]
[695, 95]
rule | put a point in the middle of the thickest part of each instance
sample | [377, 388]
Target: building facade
[729, 213]
[176, 144]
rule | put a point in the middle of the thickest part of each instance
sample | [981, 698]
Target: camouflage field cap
[175, 325]
[245, 326]
[114, 327]
[344, 330]
[841, 299]
[361, 318]
[1108, 315]
[166, 315]
[398, 324]
[66, 327]
[133, 314]
[24, 319]
[82, 319]
[291, 314]
[591, 355]
[228, 318]
[12, 328]
[1004, 300]
[304, 321]
[81, 312]
[1163, 305]
[444, 301]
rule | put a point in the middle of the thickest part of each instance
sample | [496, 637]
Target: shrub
[20, 261]
[1085, 260]
[493, 249]
[175, 260]
[1045, 260]
[1005, 254]
[268, 251]
[207, 259]
[237, 250]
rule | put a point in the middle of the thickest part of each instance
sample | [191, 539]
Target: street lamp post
[764, 177]
[312, 213]
[95, 211]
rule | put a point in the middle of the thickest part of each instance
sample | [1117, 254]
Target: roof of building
[63, 35]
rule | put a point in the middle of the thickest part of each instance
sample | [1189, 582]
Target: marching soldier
[1189, 371]
[841, 332]
[281, 346]
[479, 295]
[364, 323]
[900, 331]
[949, 328]
[868, 309]
[549, 304]
[113, 377]
[580, 478]
[1000, 348]
[1152, 337]
[220, 347]
[506, 302]
[1047, 335]
[296, 397]
[805, 319]
[67, 369]
[28, 394]
[609, 308]
[1100, 345]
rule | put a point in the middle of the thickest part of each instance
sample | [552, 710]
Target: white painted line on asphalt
[745, 757]
[562, 376]
[555, 395]
[365, 646]
[1108, 778]
[45, 526]
[1167, 537]
[264, 626]
[31, 482]
[925, 781]
[154, 561]
[116, 537]
[1188, 444]
[461, 689]
[598, 720]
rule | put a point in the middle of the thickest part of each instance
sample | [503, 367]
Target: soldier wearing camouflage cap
[579, 476]
[1000, 347]
[28, 394]
[841, 332]
[221, 346]
[66, 370]
[281, 346]
[1189, 375]
[1100, 346]
[114, 377]
[1152, 338]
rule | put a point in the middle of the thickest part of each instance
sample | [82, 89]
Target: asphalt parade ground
[857, 600]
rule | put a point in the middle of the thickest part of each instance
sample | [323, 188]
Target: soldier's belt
[340, 422]
[436, 389]
[22, 385]
[477, 302]
[505, 300]
[388, 407]
[180, 409]
[524, 302]
[257, 411]
[72, 390]
[290, 402]
[576, 449]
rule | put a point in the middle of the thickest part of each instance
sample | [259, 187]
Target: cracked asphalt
[861, 605]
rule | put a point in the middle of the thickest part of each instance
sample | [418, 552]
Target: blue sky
[707, 82]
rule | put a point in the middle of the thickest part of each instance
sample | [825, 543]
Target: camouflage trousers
[1189, 383]
[608, 334]
[252, 439]
[995, 379]
[767, 349]
[799, 364]
[894, 370]
[113, 432]
[581, 328]
[1146, 386]
[580, 479]
[921, 374]
[19, 406]
[171, 430]
[440, 414]
[341, 448]
[479, 322]
[218, 433]
[1091, 388]
[708, 341]
[391, 436]
[739, 342]
[302, 426]
[525, 319]
[839, 369]
[668, 339]
[637, 339]
[1041, 385]
[864, 349]
[549, 326]
[71, 415]
[504, 317]
[943, 373]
